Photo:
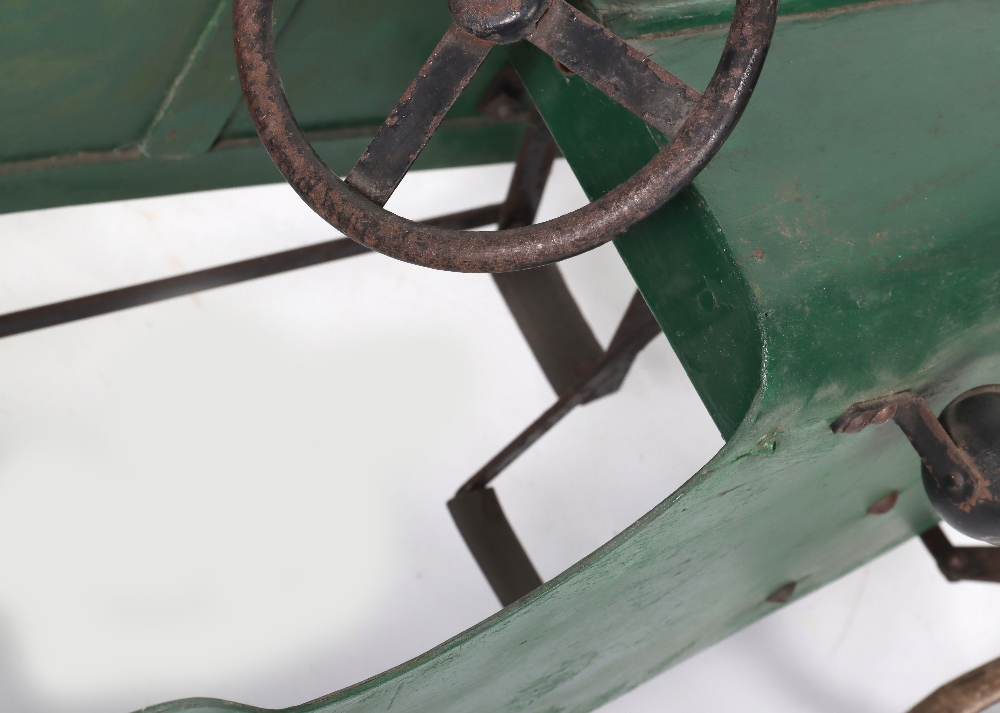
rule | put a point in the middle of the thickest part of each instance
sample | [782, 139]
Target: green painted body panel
[636, 18]
[841, 246]
[129, 98]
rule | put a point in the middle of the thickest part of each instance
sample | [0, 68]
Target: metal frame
[578, 369]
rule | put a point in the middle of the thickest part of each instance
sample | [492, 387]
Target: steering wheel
[696, 124]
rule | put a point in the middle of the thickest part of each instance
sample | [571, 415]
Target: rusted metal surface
[500, 21]
[636, 330]
[552, 324]
[476, 509]
[412, 122]
[539, 299]
[584, 47]
[493, 543]
[979, 564]
[971, 693]
[531, 174]
[884, 504]
[693, 146]
[961, 470]
[73, 310]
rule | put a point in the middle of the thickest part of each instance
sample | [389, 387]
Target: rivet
[782, 595]
[885, 504]
[958, 560]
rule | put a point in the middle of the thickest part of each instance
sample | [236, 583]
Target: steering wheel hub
[500, 21]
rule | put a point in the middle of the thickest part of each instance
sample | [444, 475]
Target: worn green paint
[128, 98]
[847, 232]
[206, 91]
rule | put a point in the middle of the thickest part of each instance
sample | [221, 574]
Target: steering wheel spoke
[697, 125]
[418, 114]
[614, 67]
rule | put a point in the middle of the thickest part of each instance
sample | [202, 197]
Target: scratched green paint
[856, 225]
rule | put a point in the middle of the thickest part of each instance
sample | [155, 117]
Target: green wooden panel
[847, 233]
[96, 95]
[206, 91]
[88, 76]
[634, 18]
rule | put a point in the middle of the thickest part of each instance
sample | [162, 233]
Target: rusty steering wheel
[696, 124]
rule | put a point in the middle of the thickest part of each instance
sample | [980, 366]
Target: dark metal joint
[500, 21]
[959, 452]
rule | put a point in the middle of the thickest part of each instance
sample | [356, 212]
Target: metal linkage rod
[476, 509]
[73, 310]
[539, 299]
[979, 564]
[637, 329]
[569, 354]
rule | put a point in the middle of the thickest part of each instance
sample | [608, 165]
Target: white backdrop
[241, 494]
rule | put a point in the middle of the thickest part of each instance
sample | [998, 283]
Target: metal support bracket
[958, 454]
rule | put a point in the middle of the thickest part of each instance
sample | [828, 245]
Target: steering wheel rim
[363, 220]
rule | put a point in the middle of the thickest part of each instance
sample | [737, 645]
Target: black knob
[973, 422]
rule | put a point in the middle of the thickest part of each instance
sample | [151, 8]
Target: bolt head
[858, 423]
[500, 21]
[884, 415]
[958, 560]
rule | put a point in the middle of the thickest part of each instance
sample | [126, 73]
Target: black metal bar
[979, 564]
[421, 109]
[958, 481]
[623, 73]
[73, 310]
[552, 324]
[539, 299]
[637, 329]
[531, 174]
[633, 335]
[492, 541]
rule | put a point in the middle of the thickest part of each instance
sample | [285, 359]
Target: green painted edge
[710, 319]
[112, 176]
